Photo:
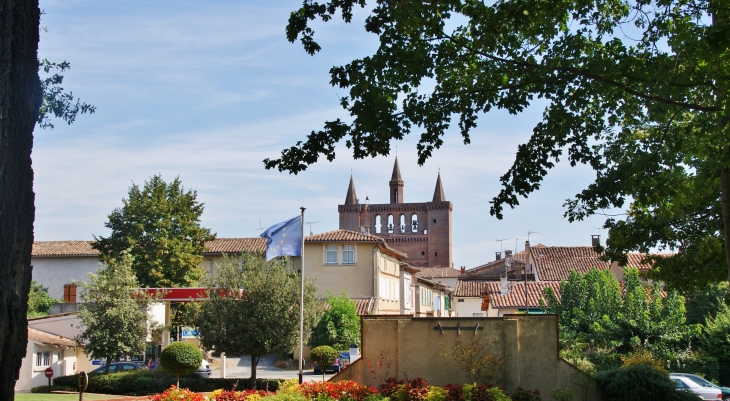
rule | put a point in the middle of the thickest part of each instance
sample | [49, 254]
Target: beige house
[482, 298]
[49, 350]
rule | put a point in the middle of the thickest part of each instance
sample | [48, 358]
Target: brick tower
[421, 230]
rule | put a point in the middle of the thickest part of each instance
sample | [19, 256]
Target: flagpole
[301, 306]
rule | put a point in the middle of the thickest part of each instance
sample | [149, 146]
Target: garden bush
[143, 382]
[637, 383]
[526, 395]
[342, 390]
[180, 358]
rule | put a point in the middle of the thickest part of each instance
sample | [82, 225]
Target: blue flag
[284, 239]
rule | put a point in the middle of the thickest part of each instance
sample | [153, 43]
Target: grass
[57, 397]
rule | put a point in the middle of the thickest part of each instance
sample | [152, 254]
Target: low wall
[408, 347]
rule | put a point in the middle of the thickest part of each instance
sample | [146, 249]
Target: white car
[705, 392]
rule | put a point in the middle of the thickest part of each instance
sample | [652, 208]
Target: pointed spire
[438, 193]
[351, 198]
[396, 171]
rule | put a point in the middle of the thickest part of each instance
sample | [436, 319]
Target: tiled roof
[342, 235]
[63, 248]
[236, 245]
[436, 272]
[496, 267]
[364, 305]
[516, 296]
[50, 338]
[554, 263]
[637, 260]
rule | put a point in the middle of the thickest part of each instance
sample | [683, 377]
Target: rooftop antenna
[260, 229]
[500, 243]
[310, 226]
[529, 231]
[516, 239]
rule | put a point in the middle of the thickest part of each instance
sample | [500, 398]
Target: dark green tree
[159, 225]
[113, 312]
[636, 90]
[324, 356]
[253, 308]
[593, 304]
[339, 326]
[39, 302]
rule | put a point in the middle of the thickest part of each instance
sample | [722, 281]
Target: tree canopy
[159, 226]
[253, 308]
[56, 102]
[39, 302]
[113, 312]
[339, 326]
[636, 90]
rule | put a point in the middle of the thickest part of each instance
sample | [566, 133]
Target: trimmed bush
[180, 358]
[324, 355]
[144, 382]
[638, 383]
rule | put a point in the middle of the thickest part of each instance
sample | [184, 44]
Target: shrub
[178, 394]
[562, 394]
[412, 390]
[46, 389]
[454, 392]
[180, 358]
[526, 395]
[324, 355]
[644, 357]
[484, 392]
[245, 395]
[437, 394]
[344, 390]
[142, 382]
[390, 386]
[286, 397]
[639, 382]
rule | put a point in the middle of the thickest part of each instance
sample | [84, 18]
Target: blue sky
[207, 90]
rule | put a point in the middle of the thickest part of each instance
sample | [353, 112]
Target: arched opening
[414, 223]
[402, 224]
[390, 224]
[378, 224]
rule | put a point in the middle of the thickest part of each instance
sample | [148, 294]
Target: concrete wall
[54, 272]
[409, 347]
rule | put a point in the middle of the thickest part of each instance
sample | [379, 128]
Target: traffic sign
[49, 372]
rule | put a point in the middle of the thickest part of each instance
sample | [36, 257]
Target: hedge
[143, 382]
[639, 383]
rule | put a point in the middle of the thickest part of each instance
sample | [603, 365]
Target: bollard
[223, 365]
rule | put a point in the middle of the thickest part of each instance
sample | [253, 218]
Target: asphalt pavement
[240, 367]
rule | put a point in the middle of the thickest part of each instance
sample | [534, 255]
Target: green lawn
[57, 397]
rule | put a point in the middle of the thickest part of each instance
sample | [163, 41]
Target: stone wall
[408, 347]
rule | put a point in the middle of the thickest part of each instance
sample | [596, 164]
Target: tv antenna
[260, 229]
[501, 241]
[529, 231]
[310, 226]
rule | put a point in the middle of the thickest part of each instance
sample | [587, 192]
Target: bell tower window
[390, 224]
[414, 223]
[402, 224]
[378, 224]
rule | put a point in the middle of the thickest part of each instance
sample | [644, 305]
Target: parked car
[335, 367]
[204, 369]
[120, 367]
[687, 384]
[706, 383]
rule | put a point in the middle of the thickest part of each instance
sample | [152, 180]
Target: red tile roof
[364, 306]
[436, 272]
[637, 260]
[514, 299]
[50, 338]
[236, 245]
[63, 248]
[554, 263]
[343, 235]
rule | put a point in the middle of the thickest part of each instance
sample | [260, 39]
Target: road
[240, 367]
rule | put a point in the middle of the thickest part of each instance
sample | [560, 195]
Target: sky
[205, 91]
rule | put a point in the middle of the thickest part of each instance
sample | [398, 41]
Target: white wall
[54, 272]
[31, 376]
[469, 307]
[68, 326]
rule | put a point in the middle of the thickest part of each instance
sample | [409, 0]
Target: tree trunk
[725, 183]
[108, 364]
[254, 363]
[20, 99]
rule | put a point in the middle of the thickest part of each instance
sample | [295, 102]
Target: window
[390, 224]
[426, 297]
[69, 293]
[436, 254]
[330, 254]
[414, 223]
[402, 224]
[434, 221]
[43, 358]
[378, 224]
[423, 253]
[478, 314]
[348, 254]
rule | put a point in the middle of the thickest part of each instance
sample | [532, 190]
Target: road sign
[49, 372]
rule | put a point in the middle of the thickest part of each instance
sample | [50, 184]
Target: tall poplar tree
[159, 226]
[637, 90]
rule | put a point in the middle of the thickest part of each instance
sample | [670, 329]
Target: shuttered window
[69, 293]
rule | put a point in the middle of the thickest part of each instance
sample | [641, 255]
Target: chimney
[503, 286]
[507, 253]
[499, 255]
[463, 269]
[595, 240]
[527, 247]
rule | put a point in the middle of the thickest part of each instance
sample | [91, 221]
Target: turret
[438, 193]
[396, 185]
[351, 198]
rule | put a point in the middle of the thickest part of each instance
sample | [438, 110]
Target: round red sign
[49, 373]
